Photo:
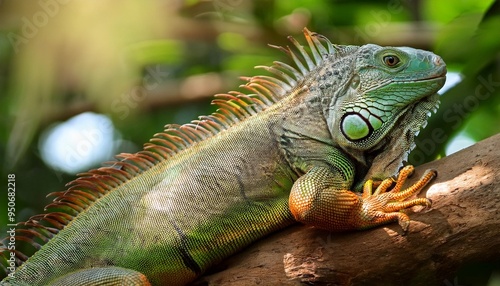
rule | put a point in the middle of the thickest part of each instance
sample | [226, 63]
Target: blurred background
[81, 81]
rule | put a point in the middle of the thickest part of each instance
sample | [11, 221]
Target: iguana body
[290, 151]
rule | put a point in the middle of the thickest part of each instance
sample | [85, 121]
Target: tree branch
[462, 226]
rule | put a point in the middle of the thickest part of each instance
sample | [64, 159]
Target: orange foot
[382, 207]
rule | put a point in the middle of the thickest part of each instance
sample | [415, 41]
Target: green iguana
[291, 150]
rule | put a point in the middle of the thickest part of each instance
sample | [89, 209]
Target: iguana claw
[382, 206]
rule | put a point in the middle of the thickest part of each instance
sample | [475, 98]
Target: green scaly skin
[201, 192]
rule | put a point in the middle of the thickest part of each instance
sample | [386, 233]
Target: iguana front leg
[319, 198]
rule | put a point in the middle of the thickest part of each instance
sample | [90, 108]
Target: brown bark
[462, 226]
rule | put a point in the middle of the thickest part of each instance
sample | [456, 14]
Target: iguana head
[383, 84]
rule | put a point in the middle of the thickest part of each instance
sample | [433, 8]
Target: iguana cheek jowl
[359, 125]
[355, 127]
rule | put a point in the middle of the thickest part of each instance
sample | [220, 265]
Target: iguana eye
[391, 61]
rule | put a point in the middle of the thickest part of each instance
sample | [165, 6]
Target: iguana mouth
[433, 79]
[438, 74]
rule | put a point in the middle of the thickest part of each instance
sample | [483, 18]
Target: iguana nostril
[438, 60]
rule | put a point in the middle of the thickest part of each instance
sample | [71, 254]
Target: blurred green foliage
[60, 58]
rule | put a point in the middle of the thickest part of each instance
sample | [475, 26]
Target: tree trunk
[462, 226]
